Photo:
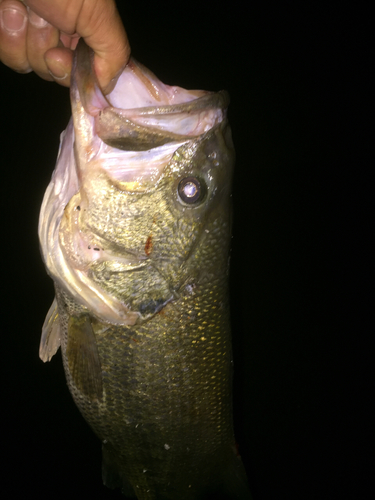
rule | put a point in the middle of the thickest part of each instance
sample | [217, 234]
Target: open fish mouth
[115, 148]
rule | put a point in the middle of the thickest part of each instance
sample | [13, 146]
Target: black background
[299, 79]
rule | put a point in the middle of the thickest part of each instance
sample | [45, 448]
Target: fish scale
[141, 278]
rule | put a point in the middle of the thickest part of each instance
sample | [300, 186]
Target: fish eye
[190, 190]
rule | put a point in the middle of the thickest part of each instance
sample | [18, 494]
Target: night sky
[298, 76]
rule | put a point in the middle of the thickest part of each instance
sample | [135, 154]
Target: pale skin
[40, 36]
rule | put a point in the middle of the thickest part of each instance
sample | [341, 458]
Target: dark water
[298, 76]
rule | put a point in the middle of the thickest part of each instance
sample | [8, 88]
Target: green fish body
[135, 232]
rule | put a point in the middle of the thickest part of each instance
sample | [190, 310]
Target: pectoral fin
[50, 341]
[83, 358]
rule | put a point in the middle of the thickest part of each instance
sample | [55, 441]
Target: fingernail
[56, 77]
[35, 20]
[12, 20]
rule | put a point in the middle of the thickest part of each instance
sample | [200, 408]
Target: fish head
[140, 195]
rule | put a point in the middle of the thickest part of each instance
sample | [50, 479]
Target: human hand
[40, 36]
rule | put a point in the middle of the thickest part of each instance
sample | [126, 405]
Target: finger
[41, 36]
[111, 52]
[13, 32]
[59, 64]
[99, 23]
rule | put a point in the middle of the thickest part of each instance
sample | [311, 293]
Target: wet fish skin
[141, 279]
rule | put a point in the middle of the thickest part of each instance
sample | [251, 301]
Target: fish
[135, 230]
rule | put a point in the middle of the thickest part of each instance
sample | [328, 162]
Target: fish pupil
[190, 190]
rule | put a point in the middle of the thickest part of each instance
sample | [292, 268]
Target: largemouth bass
[135, 233]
